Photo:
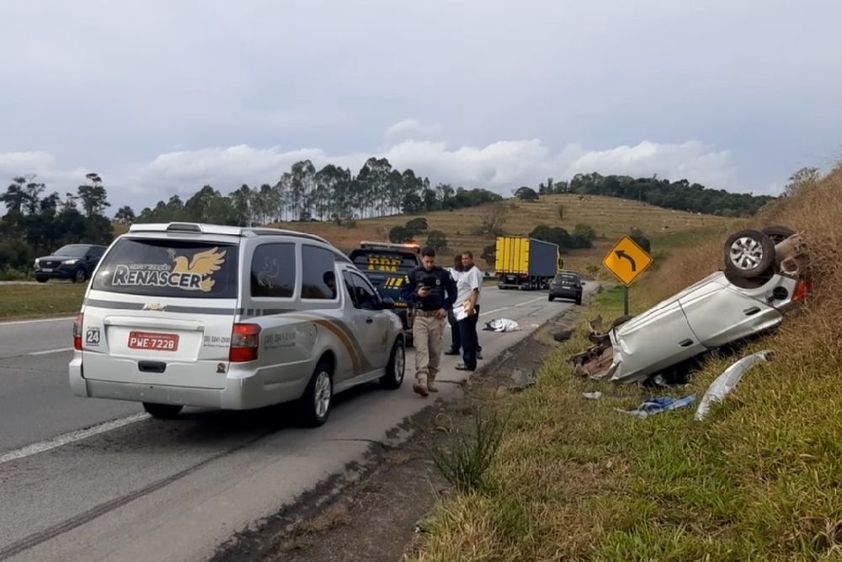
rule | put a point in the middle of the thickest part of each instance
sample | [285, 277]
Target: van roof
[241, 231]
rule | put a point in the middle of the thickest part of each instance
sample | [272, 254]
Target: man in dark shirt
[431, 291]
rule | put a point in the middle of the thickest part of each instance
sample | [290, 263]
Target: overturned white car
[765, 275]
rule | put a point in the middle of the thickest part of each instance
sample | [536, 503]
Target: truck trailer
[525, 263]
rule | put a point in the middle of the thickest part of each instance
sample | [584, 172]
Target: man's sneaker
[420, 389]
[451, 352]
[432, 387]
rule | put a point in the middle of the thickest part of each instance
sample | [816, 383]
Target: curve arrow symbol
[623, 255]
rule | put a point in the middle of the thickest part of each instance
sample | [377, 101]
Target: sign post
[627, 261]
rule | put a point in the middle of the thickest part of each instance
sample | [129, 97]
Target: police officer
[432, 291]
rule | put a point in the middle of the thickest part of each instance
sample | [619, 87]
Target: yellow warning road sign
[627, 260]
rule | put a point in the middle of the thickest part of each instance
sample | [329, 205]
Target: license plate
[47, 269]
[154, 342]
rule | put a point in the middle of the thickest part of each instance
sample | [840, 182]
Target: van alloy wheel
[322, 395]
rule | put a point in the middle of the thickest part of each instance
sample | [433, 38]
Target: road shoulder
[376, 510]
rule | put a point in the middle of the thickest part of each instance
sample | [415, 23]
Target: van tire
[162, 411]
[311, 413]
[395, 368]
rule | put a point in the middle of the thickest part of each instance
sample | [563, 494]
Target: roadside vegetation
[758, 480]
[41, 300]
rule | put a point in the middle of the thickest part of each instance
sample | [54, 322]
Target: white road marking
[48, 351]
[71, 437]
[511, 306]
[22, 322]
[495, 310]
[531, 301]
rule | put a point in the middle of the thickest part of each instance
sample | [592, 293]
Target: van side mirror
[386, 303]
[583, 283]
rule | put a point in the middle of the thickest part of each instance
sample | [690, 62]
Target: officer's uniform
[427, 330]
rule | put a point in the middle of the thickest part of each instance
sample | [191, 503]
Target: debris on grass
[727, 381]
[655, 406]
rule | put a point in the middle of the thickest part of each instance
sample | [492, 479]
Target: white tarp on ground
[502, 325]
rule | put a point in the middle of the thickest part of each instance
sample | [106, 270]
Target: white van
[186, 314]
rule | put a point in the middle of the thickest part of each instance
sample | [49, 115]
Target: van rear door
[161, 311]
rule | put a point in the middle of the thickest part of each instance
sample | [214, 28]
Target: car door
[720, 313]
[655, 340]
[370, 322]
[93, 256]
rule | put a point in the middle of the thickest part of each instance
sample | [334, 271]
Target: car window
[366, 296]
[273, 271]
[72, 251]
[318, 273]
[568, 278]
[169, 268]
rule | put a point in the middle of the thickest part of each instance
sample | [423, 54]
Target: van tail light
[245, 341]
[77, 331]
[801, 291]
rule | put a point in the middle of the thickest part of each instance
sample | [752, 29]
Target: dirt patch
[375, 512]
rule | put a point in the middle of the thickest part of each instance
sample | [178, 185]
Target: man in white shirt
[455, 339]
[466, 310]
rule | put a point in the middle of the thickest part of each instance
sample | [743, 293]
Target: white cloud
[25, 163]
[500, 166]
[692, 160]
[410, 129]
[505, 165]
[41, 167]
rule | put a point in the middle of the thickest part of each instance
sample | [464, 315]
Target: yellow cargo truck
[525, 263]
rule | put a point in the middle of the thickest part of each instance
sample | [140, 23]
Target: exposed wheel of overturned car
[748, 254]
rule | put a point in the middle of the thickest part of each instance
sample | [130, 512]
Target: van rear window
[169, 268]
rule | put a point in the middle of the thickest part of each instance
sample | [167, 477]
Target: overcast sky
[161, 97]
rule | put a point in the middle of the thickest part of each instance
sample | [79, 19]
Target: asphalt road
[88, 479]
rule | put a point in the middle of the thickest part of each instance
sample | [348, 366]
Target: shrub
[437, 240]
[466, 460]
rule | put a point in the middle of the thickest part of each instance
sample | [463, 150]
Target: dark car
[566, 285]
[74, 262]
[386, 266]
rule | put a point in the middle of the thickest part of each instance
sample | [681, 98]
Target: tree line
[37, 222]
[680, 195]
[330, 194]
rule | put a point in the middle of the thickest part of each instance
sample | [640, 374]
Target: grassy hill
[610, 217]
